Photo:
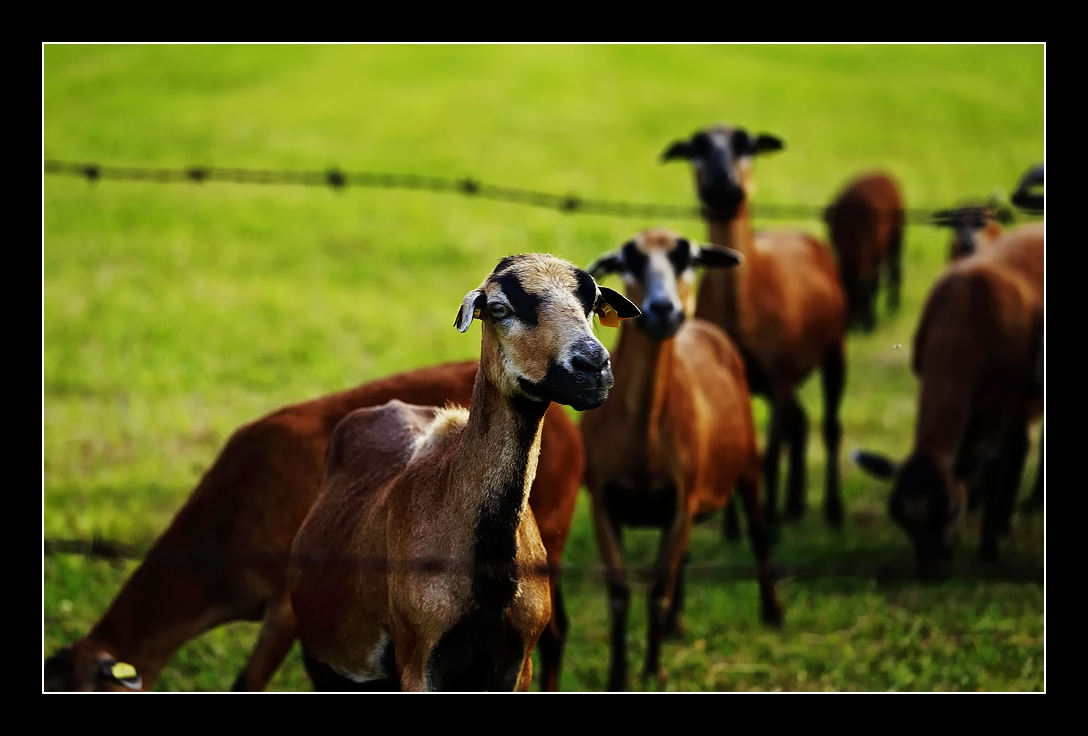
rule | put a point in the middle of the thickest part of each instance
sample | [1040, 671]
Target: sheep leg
[1001, 480]
[795, 475]
[833, 380]
[609, 542]
[278, 633]
[1016, 457]
[674, 622]
[771, 609]
[772, 454]
[525, 678]
[671, 552]
[730, 522]
[868, 304]
[552, 640]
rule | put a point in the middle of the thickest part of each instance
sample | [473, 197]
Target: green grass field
[172, 314]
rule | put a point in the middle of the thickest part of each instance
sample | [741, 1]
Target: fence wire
[337, 179]
[101, 549]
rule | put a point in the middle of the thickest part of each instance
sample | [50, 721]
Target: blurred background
[174, 313]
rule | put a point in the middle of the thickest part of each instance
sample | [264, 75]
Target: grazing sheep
[977, 355]
[865, 224]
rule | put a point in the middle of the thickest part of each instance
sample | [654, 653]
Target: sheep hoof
[834, 517]
[773, 615]
[793, 513]
[655, 673]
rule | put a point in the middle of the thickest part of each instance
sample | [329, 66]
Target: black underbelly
[640, 508]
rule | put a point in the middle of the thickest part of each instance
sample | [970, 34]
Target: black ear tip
[675, 150]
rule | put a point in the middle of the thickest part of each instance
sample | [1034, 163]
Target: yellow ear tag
[123, 671]
[476, 313]
[608, 316]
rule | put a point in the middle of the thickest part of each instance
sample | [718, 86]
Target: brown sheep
[224, 556]
[418, 568]
[675, 438]
[784, 307]
[977, 355]
[865, 225]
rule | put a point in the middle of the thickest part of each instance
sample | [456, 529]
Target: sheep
[224, 556]
[784, 307]
[865, 225]
[675, 438]
[418, 568]
[977, 354]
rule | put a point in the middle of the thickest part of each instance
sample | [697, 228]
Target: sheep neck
[642, 366]
[493, 474]
[724, 292]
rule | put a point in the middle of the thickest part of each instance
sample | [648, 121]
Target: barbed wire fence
[117, 553]
[468, 186]
[101, 549]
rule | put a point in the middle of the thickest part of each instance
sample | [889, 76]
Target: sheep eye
[498, 311]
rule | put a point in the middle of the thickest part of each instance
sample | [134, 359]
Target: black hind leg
[730, 522]
[833, 380]
[796, 477]
[551, 643]
[1002, 477]
[674, 622]
[780, 415]
[770, 608]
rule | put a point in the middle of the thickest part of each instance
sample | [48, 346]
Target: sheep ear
[878, 466]
[679, 149]
[473, 302]
[606, 264]
[613, 306]
[767, 143]
[717, 256]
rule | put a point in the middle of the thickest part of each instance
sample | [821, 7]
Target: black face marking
[584, 388]
[742, 143]
[920, 481]
[526, 306]
[480, 652]
[701, 144]
[680, 256]
[504, 264]
[587, 290]
[634, 260]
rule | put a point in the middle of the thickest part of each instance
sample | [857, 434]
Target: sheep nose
[590, 359]
[660, 308]
[589, 363]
